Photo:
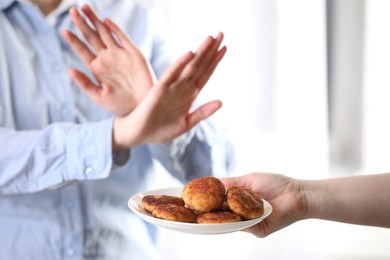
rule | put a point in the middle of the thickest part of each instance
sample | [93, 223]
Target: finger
[174, 71]
[192, 68]
[203, 112]
[257, 230]
[101, 28]
[204, 61]
[210, 70]
[203, 57]
[233, 181]
[79, 47]
[85, 83]
[124, 40]
[91, 36]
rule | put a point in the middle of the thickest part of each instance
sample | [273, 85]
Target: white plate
[135, 204]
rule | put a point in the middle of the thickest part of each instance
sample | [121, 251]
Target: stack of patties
[206, 201]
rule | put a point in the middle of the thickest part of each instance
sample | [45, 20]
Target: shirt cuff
[89, 151]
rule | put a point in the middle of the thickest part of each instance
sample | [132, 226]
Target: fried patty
[149, 202]
[204, 194]
[218, 217]
[244, 202]
[174, 212]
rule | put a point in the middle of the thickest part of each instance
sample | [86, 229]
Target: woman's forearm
[363, 200]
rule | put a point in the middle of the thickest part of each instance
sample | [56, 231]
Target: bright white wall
[377, 88]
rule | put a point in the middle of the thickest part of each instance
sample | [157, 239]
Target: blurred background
[306, 89]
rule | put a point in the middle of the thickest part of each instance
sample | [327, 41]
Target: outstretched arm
[359, 200]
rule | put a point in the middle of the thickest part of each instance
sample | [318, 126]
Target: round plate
[135, 204]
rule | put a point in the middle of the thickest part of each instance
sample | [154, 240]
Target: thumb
[203, 112]
[229, 182]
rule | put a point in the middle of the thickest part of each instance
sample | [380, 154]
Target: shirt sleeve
[32, 161]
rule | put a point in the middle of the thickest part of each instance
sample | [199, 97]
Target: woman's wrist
[311, 199]
[320, 199]
[122, 136]
[117, 136]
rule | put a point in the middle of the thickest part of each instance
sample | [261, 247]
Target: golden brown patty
[174, 213]
[218, 217]
[224, 206]
[245, 202]
[204, 194]
[149, 202]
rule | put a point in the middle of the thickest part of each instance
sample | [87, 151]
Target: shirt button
[88, 170]
[70, 251]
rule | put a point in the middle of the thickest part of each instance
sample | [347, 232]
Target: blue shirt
[62, 192]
